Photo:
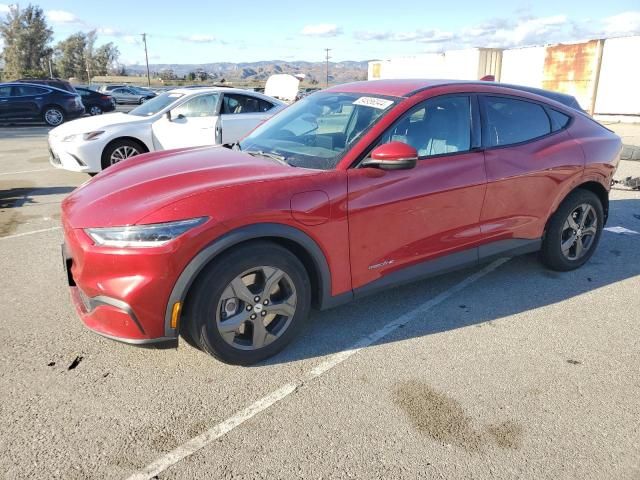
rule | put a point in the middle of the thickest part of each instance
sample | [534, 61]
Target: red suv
[351, 190]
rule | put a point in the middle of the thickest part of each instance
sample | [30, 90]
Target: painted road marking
[30, 233]
[621, 230]
[26, 171]
[221, 429]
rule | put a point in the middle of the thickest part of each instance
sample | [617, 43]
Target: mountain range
[258, 72]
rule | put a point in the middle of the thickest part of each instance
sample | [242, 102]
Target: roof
[199, 90]
[408, 87]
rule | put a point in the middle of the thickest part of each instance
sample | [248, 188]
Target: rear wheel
[95, 110]
[573, 232]
[53, 116]
[249, 304]
[142, 100]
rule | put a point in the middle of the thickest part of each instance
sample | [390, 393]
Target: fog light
[175, 313]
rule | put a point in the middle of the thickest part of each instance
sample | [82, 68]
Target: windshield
[156, 104]
[316, 131]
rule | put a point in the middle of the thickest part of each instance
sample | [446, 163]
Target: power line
[146, 56]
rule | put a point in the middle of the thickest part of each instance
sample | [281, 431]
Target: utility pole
[146, 56]
[327, 50]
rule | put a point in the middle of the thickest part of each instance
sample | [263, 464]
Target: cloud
[4, 8]
[321, 30]
[62, 17]
[516, 31]
[627, 23]
[199, 38]
[110, 32]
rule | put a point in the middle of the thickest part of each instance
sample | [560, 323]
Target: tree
[191, 76]
[26, 37]
[105, 59]
[77, 56]
[71, 56]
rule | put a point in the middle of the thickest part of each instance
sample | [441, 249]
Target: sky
[207, 31]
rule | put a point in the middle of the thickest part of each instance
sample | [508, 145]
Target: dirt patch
[506, 435]
[434, 414]
[443, 419]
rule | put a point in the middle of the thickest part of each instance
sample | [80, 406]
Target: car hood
[97, 122]
[127, 192]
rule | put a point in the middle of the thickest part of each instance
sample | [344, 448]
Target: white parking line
[30, 233]
[26, 171]
[621, 230]
[221, 429]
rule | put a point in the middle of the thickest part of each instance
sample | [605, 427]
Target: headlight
[152, 235]
[85, 136]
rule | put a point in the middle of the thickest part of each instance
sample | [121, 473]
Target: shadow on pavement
[521, 285]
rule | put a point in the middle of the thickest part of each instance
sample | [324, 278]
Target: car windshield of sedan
[316, 131]
[156, 104]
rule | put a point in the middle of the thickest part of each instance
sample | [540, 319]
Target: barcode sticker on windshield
[380, 103]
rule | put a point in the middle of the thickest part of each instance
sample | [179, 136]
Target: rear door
[402, 218]
[192, 124]
[240, 114]
[530, 158]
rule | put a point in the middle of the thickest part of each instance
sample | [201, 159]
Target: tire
[213, 295]
[123, 148]
[95, 110]
[582, 236]
[142, 100]
[53, 116]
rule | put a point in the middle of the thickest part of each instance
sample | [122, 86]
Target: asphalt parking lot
[503, 371]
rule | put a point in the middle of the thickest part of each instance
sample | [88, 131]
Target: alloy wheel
[256, 308]
[122, 153]
[579, 232]
[95, 110]
[53, 116]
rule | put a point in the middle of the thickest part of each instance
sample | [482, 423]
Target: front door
[192, 124]
[402, 218]
[5, 102]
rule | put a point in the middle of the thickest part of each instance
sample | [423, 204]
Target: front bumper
[118, 298]
[75, 156]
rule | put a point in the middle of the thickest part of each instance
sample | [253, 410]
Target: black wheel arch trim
[243, 234]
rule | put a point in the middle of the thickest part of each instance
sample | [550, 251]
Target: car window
[316, 131]
[5, 91]
[83, 93]
[200, 106]
[236, 103]
[118, 90]
[510, 121]
[558, 119]
[438, 126]
[24, 90]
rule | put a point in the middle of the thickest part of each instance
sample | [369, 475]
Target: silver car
[130, 95]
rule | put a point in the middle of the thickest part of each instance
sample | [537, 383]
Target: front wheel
[249, 304]
[573, 232]
[142, 100]
[120, 150]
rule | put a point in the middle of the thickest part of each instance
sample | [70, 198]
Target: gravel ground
[518, 372]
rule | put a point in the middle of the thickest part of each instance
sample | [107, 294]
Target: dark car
[25, 101]
[49, 82]
[404, 179]
[96, 103]
[130, 95]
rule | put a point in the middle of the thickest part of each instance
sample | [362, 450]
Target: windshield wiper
[273, 156]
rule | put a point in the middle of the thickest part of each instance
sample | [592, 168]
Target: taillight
[105, 97]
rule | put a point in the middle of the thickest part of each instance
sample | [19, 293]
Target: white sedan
[187, 117]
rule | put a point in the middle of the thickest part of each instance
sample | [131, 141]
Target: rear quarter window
[558, 119]
[509, 121]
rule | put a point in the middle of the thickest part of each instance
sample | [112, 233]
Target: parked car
[175, 119]
[49, 82]
[109, 87]
[130, 96]
[24, 101]
[96, 103]
[347, 192]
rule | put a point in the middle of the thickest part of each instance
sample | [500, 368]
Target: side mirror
[392, 156]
